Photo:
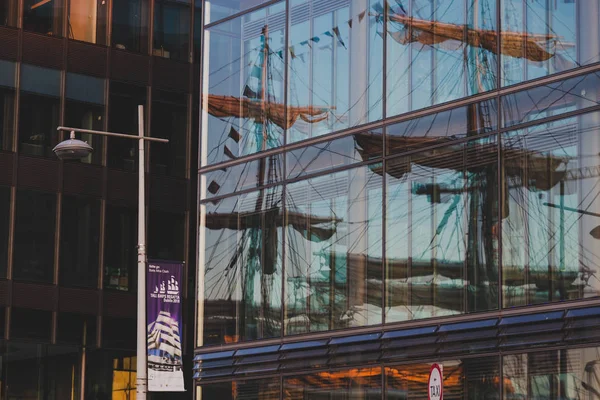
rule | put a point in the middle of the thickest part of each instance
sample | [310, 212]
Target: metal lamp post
[72, 149]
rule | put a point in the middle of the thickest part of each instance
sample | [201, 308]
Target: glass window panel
[109, 374]
[169, 121]
[365, 146]
[555, 374]
[123, 118]
[79, 238]
[7, 104]
[470, 378]
[263, 389]
[9, 12]
[87, 20]
[172, 29]
[439, 51]
[442, 215]
[7, 73]
[119, 333]
[242, 176]
[43, 16]
[40, 80]
[551, 99]
[355, 384]
[7, 109]
[120, 252]
[333, 251]
[38, 119]
[33, 371]
[197, 30]
[85, 88]
[130, 25]
[219, 9]
[443, 127]
[39, 110]
[551, 211]
[166, 235]
[541, 38]
[72, 328]
[84, 108]
[4, 228]
[241, 252]
[30, 324]
[34, 236]
[244, 111]
[335, 63]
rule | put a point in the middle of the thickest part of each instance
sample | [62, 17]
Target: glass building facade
[68, 230]
[384, 185]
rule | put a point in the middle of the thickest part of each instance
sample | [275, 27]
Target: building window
[244, 110]
[172, 29]
[43, 16]
[241, 249]
[219, 9]
[30, 324]
[76, 329]
[540, 38]
[9, 12]
[264, 389]
[80, 236]
[169, 120]
[333, 252]
[468, 379]
[551, 223]
[123, 118]
[335, 67]
[422, 72]
[197, 30]
[4, 228]
[356, 384]
[130, 25]
[39, 110]
[87, 20]
[119, 333]
[7, 104]
[84, 108]
[34, 236]
[120, 248]
[110, 374]
[552, 374]
[166, 232]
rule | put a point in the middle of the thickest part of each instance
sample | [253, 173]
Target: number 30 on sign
[435, 386]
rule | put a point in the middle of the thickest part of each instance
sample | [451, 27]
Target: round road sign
[435, 386]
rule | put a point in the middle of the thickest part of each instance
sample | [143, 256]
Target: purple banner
[163, 316]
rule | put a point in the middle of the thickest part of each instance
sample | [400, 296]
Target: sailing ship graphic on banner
[165, 364]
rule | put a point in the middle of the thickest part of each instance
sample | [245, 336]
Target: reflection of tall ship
[254, 260]
[164, 343]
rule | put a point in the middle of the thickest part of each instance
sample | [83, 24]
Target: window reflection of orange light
[39, 4]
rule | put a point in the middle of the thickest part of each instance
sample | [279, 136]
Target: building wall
[68, 230]
[369, 166]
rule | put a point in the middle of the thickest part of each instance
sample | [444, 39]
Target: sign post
[435, 385]
[164, 319]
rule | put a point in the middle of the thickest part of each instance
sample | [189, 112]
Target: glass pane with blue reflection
[551, 214]
[244, 111]
[439, 51]
[242, 277]
[541, 38]
[334, 251]
[335, 67]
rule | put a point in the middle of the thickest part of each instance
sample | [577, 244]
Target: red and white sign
[435, 386]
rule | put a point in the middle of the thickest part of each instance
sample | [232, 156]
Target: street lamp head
[72, 149]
